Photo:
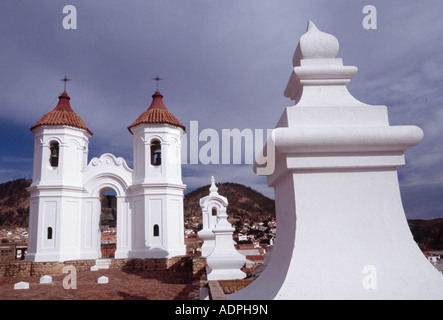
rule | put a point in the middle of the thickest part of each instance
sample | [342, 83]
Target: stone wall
[194, 265]
[232, 286]
[7, 253]
[219, 288]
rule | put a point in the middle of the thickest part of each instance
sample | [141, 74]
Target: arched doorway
[108, 222]
[108, 176]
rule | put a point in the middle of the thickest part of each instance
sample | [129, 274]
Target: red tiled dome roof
[62, 115]
[157, 113]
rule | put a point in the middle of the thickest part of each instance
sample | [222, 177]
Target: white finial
[311, 25]
[213, 189]
[315, 44]
[315, 64]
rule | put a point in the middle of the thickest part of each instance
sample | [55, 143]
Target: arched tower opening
[108, 222]
[156, 153]
[54, 148]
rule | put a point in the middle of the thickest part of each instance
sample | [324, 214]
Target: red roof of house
[157, 113]
[62, 115]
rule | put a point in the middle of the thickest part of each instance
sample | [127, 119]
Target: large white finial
[315, 65]
[315, 44]
[213, 189]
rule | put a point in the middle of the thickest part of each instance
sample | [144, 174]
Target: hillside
[14, 203]
[245, 206]
[428, 233]
[244, 203]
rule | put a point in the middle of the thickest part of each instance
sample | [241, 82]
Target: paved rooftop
[121, 286]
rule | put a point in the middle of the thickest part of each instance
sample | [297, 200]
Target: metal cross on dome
[65, 79]
[158, 79]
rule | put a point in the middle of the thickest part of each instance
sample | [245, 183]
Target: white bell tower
[157, 188]
[60, 154]
[65, 207]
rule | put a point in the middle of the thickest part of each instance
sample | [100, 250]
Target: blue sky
[225, 64]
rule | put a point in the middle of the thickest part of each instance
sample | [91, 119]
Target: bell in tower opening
[54, 154]
[108, 211]
[156, 153]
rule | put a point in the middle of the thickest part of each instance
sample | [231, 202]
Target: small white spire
[311, 25]
[213, 189]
